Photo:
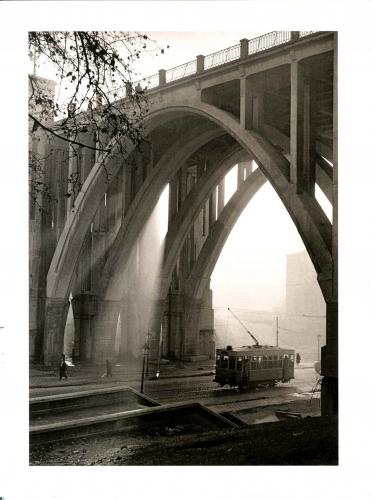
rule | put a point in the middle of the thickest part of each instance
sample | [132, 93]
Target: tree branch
[71, 141]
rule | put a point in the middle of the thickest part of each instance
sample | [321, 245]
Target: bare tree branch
[69, 140]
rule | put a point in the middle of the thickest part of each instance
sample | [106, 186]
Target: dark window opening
[232, 363]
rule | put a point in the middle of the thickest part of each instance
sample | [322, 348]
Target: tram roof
[252, 349]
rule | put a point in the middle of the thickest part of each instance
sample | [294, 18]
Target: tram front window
[232, 362]
[218, 359]
[239, 363]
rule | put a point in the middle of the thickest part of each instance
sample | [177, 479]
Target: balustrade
[305, 33]
[255, 45]
[186, 69]
[268, 41]
[222, 56]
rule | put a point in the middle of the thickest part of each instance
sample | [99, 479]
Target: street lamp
[145, 354]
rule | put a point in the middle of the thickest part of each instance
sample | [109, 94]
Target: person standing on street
[63, 368]
[298, 358]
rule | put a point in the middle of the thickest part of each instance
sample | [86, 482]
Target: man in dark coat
[298, 358]
[63, 368]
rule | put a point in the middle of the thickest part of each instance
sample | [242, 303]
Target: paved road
[244, 404]
[205, 391]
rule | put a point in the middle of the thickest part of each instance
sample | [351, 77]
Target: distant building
[303, 323]
[303, 294]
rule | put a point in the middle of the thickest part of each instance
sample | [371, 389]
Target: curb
[89, 382]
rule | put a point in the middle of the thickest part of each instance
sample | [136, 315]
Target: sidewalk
[126, 371]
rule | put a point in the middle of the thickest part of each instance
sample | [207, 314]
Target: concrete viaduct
[272, 100]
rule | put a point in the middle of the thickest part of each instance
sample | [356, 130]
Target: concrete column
[200, 63]
[244, 48]
[212, 208]
[156, 340]
[309, 139]
[335, 170]
[329, 362]
[172, 199]
[302, 130]
[258, 108]
[296, 124]
[199, 316]
[175, 327]
[329, 352]
[84, 310]
[162, 77]
[54, 328]
[247, 166]
[240, 174]
[61, 166]
[191, 327]
[252, 102]
[221, 192]
[294, 35]
[245, 105]
[104, 330]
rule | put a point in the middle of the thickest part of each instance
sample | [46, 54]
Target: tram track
[189, 391]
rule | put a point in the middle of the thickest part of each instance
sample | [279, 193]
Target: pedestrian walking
[298, 358]
[63, 368]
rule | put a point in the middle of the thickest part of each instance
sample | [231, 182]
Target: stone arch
[311, 222]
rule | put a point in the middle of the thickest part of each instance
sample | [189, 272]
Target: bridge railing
[268, 41]
[150, 82]
[186, 69]
[203, 63]
[306, 33]
[222, 56]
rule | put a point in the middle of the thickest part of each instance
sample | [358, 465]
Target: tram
[250, 366]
